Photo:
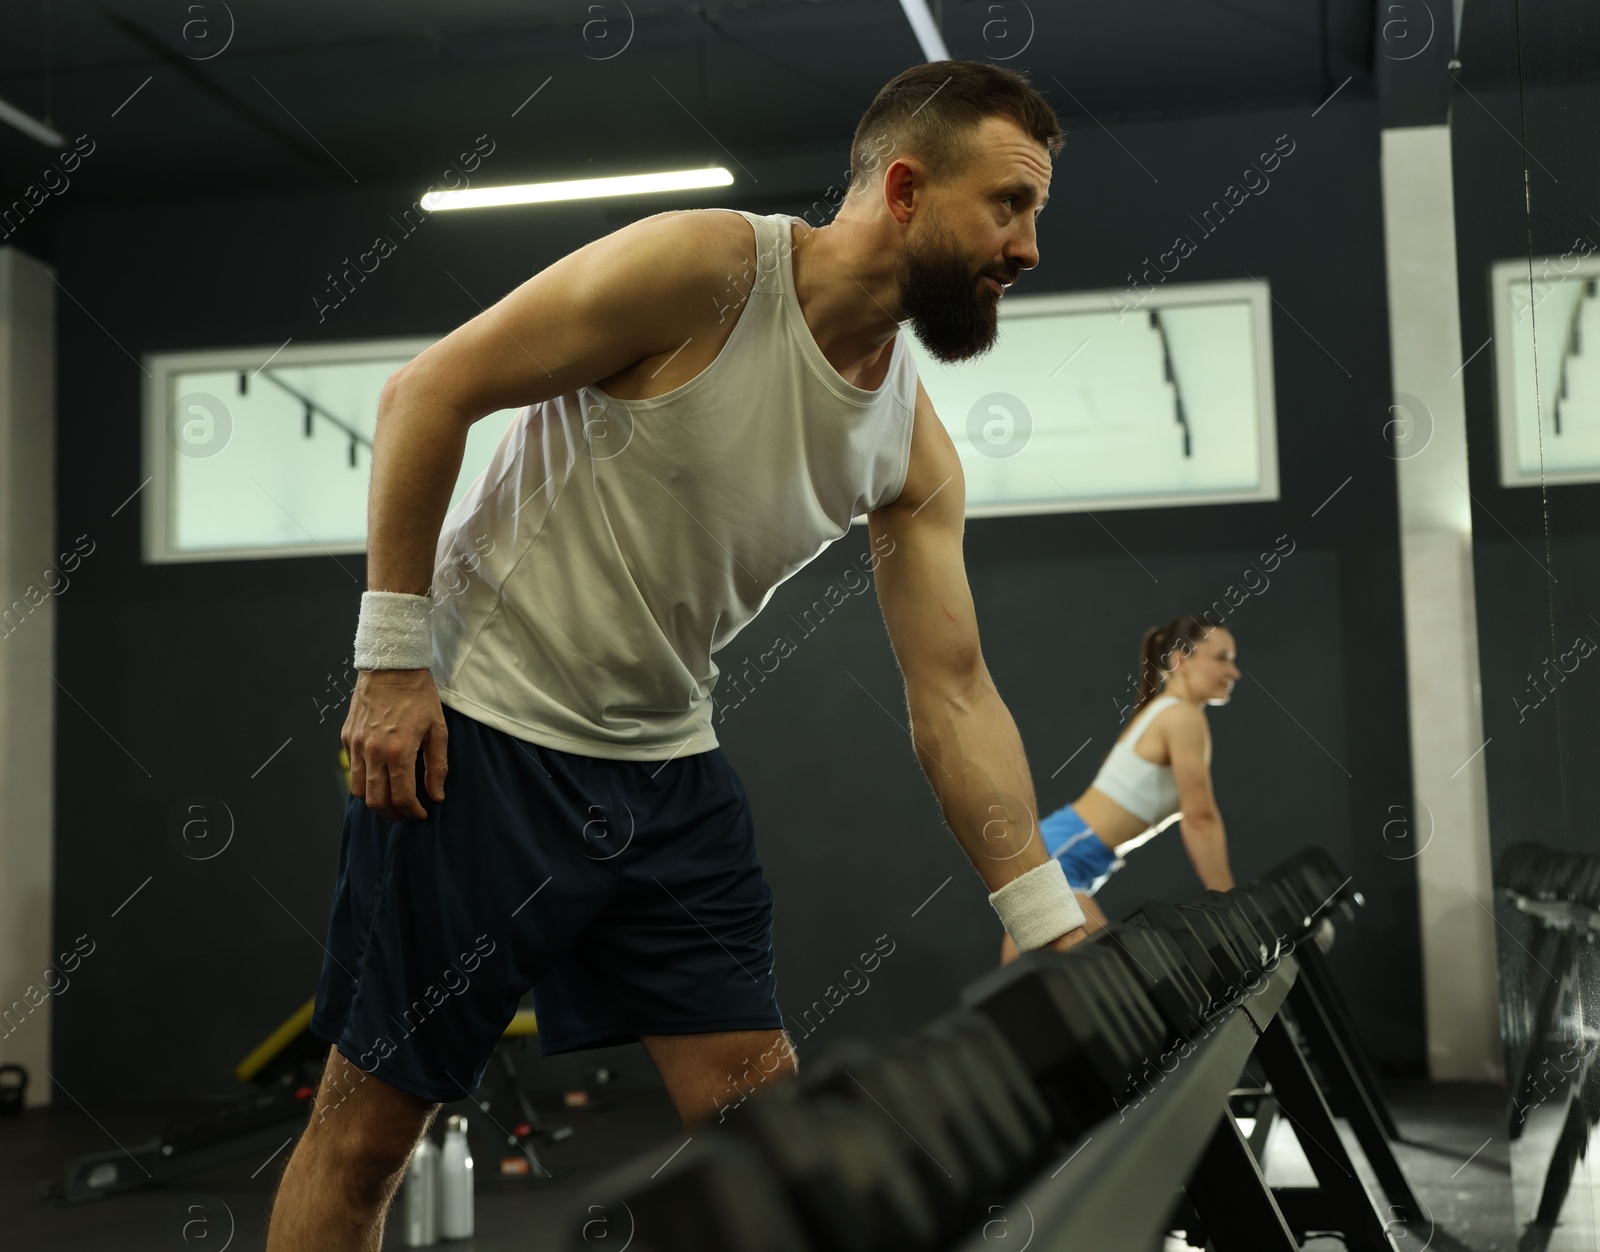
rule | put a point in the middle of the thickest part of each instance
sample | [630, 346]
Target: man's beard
[954, 317]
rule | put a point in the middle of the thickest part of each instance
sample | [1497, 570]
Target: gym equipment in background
[285, 1070]
[1551, 1027]
[13, 1089]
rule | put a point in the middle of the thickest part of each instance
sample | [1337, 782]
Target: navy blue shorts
[627, 895]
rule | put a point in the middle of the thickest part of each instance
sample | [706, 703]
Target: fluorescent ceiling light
[577, 189]
[922, 26]
[31, 127]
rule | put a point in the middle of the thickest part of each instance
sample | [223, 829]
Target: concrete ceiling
[261, 94]
[235, 96]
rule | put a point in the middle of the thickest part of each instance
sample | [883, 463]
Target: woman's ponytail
[1161, 648]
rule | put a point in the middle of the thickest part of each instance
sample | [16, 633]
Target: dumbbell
[1524, 868]
[1551, 874]
[1246, 934]
[975, 1131]
[1313, 887]
[1153, 956]
[1006, 1094]
[1201, 947]
[952, 1162]
[1576, 877]
[848, 1171]
[1284, 921]
[711, 1196]
[1297, 891]
[1584, 884]
[1236, 954]
[1331, 883]
[1079, 1022]
[923, 1087]
[1320, 859]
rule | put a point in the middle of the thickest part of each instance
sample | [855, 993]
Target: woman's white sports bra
[1145, 789]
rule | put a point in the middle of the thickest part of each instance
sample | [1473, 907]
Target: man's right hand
[1068, 940]
[393, 714]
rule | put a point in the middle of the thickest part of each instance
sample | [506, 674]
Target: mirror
[1527, 192]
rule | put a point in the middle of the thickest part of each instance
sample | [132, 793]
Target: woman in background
[1158, 770]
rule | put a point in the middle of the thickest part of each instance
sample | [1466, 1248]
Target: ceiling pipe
[31, 126]
[924, 28]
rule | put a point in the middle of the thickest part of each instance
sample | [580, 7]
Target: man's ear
[902, 181]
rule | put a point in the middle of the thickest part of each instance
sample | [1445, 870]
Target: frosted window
[1548, 391]
[276, 464]
[1081, 404]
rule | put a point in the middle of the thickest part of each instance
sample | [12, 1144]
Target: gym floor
[1465, 1181]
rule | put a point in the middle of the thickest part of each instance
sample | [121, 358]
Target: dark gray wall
[200, 672]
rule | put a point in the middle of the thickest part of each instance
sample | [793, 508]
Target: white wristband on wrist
[395, 631]
[1038, 907]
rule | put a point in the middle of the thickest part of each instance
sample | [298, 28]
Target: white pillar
[27, 648]
[1449, 831]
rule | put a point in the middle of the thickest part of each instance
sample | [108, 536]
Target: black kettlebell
[13, 1085]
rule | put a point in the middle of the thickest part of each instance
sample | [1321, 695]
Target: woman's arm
[1189, 745]
[1208, 849]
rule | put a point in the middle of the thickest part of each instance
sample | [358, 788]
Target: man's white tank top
[612, 546]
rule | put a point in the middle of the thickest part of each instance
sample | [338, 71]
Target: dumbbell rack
[1044, 1111]
[1559, 891]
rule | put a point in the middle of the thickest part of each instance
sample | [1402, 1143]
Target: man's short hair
[932, 112]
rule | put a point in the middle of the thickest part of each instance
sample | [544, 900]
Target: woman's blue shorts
[1084, 856]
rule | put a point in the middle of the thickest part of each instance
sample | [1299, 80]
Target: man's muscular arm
[619, 300]
[963, 734]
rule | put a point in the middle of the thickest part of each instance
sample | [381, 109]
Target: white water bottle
[421, 1197]
[455, 1182]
